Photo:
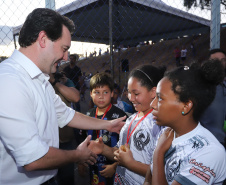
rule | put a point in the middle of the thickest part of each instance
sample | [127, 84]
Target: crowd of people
[171, 132]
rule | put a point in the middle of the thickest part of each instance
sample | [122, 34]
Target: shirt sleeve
[64, 113]
[69, 83]
[204, 167]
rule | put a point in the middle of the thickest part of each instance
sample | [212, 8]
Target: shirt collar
[28, 65]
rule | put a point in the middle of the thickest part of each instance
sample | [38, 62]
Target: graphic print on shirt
[172, 168]
[198, 142]
[199, 170]
[115, 116]
[181, 156]
[141, 138]
[120, 179]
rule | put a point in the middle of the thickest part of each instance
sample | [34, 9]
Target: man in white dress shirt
[31, 112]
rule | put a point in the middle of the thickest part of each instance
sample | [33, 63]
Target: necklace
[98, 131]
[129, 135]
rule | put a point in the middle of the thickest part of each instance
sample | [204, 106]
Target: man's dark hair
[43, 19]
[100, 80]
[218, 50]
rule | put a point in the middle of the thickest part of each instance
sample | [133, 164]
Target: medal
[105, 138]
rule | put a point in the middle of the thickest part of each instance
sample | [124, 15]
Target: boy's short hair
[101, 79]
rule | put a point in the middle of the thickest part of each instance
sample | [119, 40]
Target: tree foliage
[201, 3]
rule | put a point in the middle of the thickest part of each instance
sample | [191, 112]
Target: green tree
[201, 3]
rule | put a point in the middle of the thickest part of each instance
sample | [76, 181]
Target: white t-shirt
[183, 53]
[196, 158]
[30, 114]
[142, 144]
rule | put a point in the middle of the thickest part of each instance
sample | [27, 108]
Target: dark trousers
[65, 175]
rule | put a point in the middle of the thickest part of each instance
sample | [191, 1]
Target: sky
[14, 12]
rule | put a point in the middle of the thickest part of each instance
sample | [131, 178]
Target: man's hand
[116, 125]
[86, 156]
[97, 146]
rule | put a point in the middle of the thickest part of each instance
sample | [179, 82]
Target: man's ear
[42, 38]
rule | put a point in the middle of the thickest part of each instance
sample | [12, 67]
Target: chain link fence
[118, 35]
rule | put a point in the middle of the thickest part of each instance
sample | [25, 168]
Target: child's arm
[148, 177]
[125, 158]
[109, 170]
[164, 143]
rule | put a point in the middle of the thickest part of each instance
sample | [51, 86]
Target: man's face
[56, 51]
[220, 56]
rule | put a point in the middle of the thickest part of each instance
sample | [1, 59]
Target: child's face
[139, 95]
[101, 96]
[167, 109]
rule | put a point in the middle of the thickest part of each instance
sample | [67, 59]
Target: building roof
[132, 21]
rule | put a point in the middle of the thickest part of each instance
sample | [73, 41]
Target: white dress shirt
[30, 113]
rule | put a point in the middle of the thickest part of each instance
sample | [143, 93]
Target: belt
[50, 181]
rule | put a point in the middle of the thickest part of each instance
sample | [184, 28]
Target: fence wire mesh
[118, 35]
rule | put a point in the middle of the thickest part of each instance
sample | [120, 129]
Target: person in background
[31, 112]
[134, 150]
[183, 54]
[177, 56]
[116, 100]
[82, 86]
[193, 49]
[73, 72]
[101, 92]
[215, 115]
[186, 152]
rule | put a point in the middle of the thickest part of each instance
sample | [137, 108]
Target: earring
[182, 112]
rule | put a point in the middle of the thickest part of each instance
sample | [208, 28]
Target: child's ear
[187, 107]
[112, 93]
[153, 92]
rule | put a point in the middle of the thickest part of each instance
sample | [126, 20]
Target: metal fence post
[110, 37]
[215, 24]
[50, 4]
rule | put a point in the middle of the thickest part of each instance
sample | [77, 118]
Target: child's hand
[124, 156]
[165, 141]
[97, 146]
[109, 170]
